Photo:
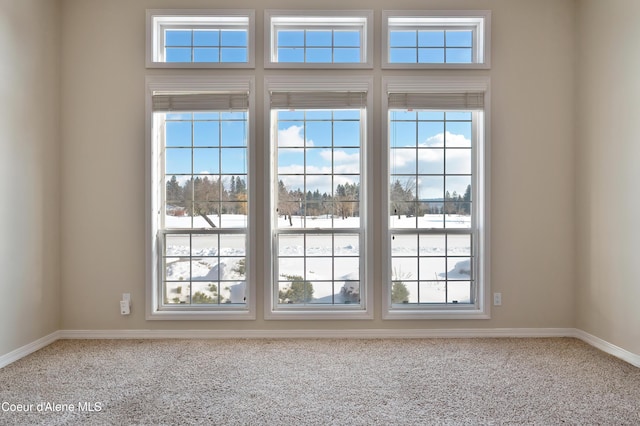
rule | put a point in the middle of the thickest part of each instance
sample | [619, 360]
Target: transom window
[439, 39]
[325, 39]
[200, 38]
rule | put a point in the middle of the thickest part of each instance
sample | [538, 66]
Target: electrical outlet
[125, 304]
[497, 299]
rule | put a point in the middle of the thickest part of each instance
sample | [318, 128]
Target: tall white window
[436, 197]
[200, 38]
[436, 39]
[319, 201]
[318, 39]
[201, 197]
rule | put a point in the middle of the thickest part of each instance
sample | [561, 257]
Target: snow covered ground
[331, 262]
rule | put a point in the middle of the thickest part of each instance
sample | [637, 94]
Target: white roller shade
[318, 100]
[173, 102]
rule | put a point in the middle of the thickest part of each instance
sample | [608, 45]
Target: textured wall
[608, 171]
[103, 177]
[29, 171]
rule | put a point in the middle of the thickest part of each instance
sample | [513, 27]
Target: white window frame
[160, 19]
[481, 182]
[153, 199]
[332, 312]
[315, 19]
[478, 21]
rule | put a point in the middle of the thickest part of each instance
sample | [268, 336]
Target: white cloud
[453, 140]
[292, 137]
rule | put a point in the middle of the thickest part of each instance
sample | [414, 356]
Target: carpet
[320, 382]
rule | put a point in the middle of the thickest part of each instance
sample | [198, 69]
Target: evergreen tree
[399, 292]
[301, 291]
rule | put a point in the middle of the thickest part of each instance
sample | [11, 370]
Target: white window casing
[319, 94]
[330, 22]
[471, 95]
[168, 96]
[477, 52]
[214, 21]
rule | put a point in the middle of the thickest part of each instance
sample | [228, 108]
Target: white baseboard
[318, 334]
[603, 345]
[611, 349]
[28, 349]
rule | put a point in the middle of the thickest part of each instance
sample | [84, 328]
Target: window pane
[458, 268]
[459, 161]
[318, 133]
[318, 55]
[236, 38]
[459, 38]
[206, 38]
[459, 292]
[205, 55]
[178, 133]
[177, 38]
[401, 55]
[233, 160]
[178, 161]
[431, 38]
[290, 54]
[346, 160]
[402, 39]
[206, 160]
[206, 133]
[433, 292]
[459, 56]
[319, 38]
[228, 54]
[433, 245]
[346, 55]
[290, 38]
[234, 133]
[174, 54]
[459, 245]
[403, 134]
[346, 38]
[431, 161]
[431, 56]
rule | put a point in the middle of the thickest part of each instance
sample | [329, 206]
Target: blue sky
[321, 46]
[423, 145]
[206, 45]
[430, 46]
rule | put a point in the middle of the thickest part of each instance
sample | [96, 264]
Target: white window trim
[443, 19]
[348, 312]
[158, 18]
[299, 16]
[190, 83]
[482, 155]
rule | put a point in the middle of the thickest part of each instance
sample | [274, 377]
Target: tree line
[343, 203]
[404, 201]
[205, 196]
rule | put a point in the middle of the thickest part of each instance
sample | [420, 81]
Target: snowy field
[331, 262]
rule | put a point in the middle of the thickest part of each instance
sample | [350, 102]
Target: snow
[331, 261]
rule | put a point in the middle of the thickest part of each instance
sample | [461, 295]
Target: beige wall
[29, 171]
[608, 171]
[103, 216]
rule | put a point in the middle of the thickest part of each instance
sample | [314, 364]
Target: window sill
[226, 315]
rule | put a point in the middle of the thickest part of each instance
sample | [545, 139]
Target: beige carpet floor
[320, 382]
